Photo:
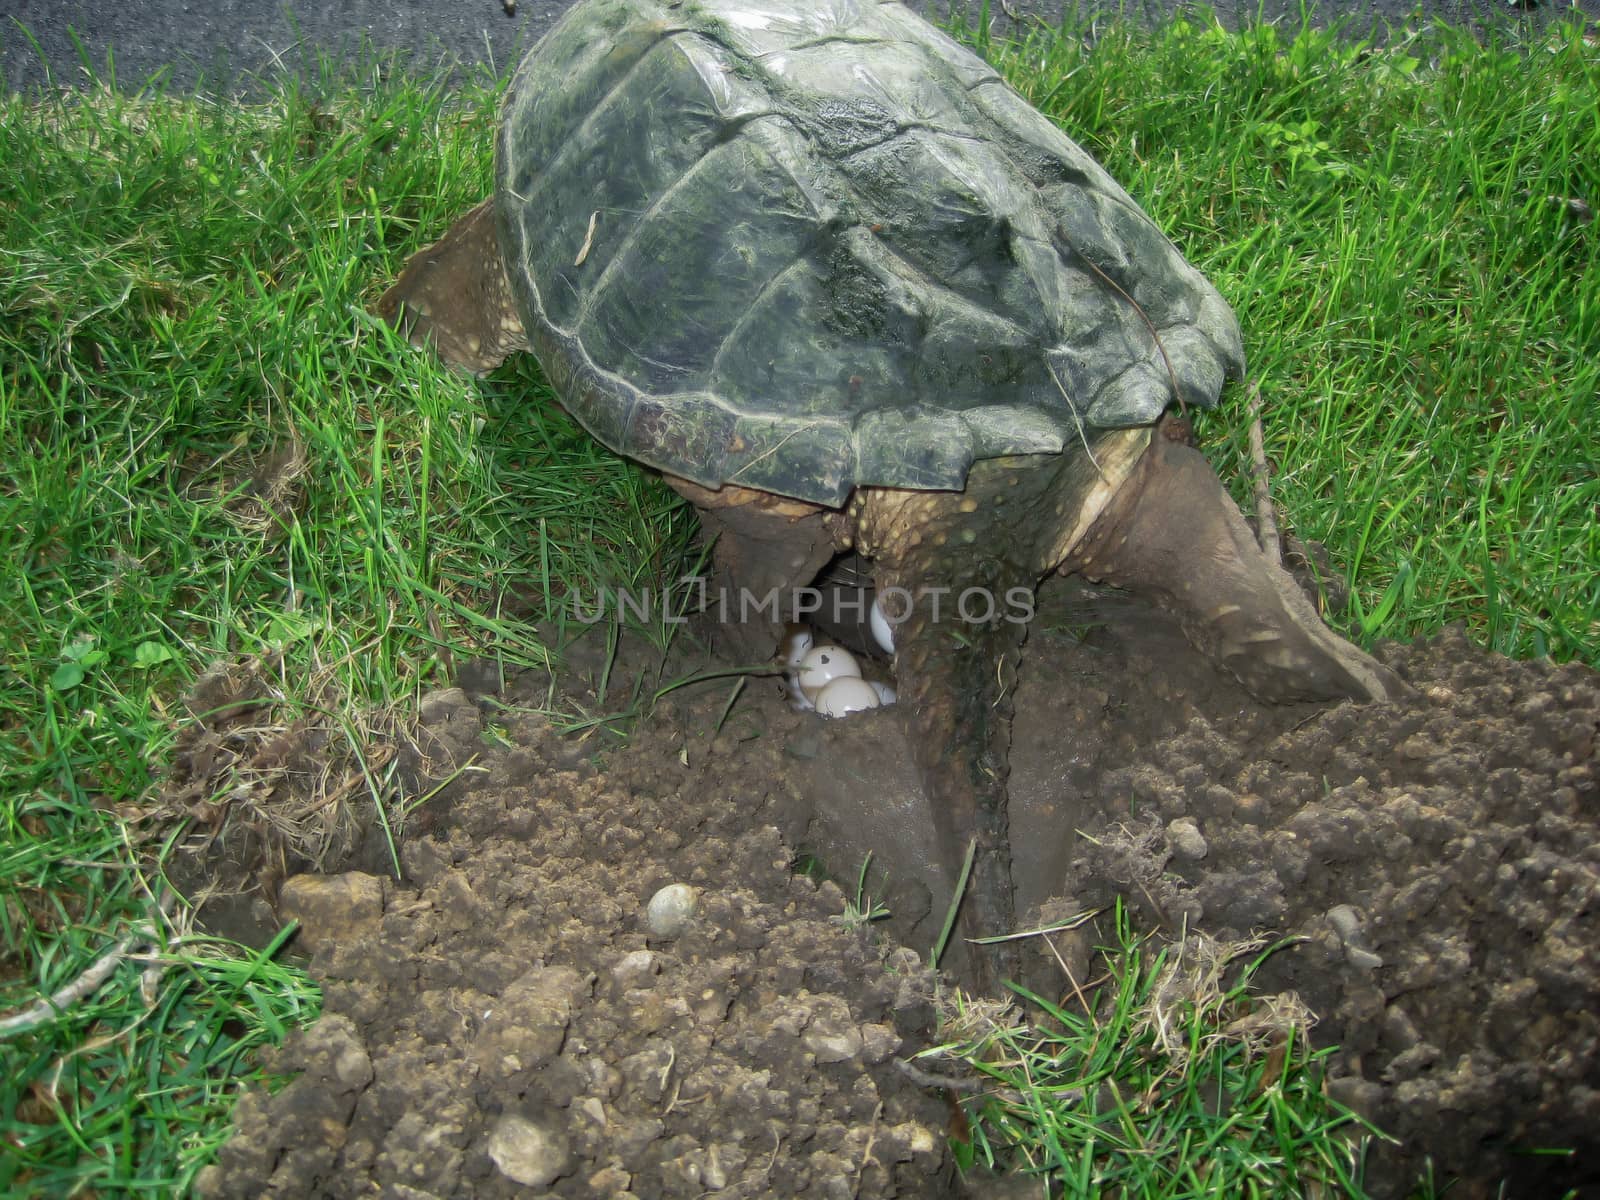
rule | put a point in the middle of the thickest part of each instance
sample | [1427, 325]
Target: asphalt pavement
[231, 47]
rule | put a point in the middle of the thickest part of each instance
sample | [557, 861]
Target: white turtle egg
[846, 694]
[823, 664]
[671, 909]
[798, 700]
[796, 644]
[882, 631]
[886, 694]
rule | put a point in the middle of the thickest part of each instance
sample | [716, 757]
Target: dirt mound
[505, 1013]
[1441, 860]
[506, 1018]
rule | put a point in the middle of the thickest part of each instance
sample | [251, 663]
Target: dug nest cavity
[502, 1017]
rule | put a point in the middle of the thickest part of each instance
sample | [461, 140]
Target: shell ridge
[609, 272]
[1014, 221]
[579, 134]
[883, 257]
[641, 221]
[1091, 175]
[710, 474]
[915, 126]
[825, 40]
[1103, 190]
[588, 374]
[1096, 182]
[1047, 299]
[737, 475]
[847, 187]
[756, 304]
[818, 206]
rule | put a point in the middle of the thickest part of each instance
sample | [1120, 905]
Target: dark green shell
[801, 247]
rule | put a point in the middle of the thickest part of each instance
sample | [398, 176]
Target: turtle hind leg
[1172, 532]
[957, 680]
[765, 549]
[455, 297]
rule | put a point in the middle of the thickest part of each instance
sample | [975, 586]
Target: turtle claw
[1172, 532]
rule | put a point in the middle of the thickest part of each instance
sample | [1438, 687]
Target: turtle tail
[455, 297]
[1172, 532]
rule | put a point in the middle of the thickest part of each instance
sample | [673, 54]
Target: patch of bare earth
[502, 1018]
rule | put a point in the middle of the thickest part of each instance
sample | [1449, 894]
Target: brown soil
[503, 1013]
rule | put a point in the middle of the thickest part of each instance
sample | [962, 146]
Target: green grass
[214, 456]
[1160, 1080]
[1407, 237]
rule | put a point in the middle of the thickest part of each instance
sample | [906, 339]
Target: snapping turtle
[824, 269]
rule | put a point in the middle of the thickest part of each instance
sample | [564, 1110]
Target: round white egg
[798, 700]
[846, 694]
[796, 644]
[882, 631]
[671, 909]
[886, 694]
[822, 665]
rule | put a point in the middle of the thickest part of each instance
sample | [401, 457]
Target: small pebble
[670, 910]
[878, 1042]
[527, 1153]
[332, 909]
[1250, 808]
[1184, 836]
[1362, 960]
[639, 967]
[1345, 921]
[832, 1040]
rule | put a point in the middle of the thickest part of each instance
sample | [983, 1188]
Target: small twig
[1155, 334]
[928, 1079]
[866, 1153]
[44, 1011]
[1077, 990]
[971, 1086]
[1266, 516]
[1077, 420]
[588, 239]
